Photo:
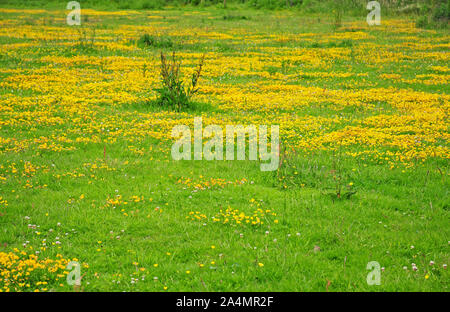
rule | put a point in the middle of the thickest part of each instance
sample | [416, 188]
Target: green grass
[391, 211]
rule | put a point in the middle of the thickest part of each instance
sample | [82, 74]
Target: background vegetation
[429, 13]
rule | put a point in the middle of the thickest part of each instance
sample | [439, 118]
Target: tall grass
[174, 93]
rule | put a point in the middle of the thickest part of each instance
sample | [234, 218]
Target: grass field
[86, 172]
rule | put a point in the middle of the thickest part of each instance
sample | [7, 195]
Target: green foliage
[422, 21]
[334, 180]
[230, 17]
[86, 40]
[337, 13]
[151, 5]
[174, 94]
[440, 8]
[147, 40]
[436, 15]
[441, 12]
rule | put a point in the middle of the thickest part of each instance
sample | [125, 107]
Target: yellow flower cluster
[394, 125]
[233, 216]
[20, 271]
[196, 216]
[210, 183]
[237, 217]
[3, 201]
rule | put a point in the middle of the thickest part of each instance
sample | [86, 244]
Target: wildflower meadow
[224, 146]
